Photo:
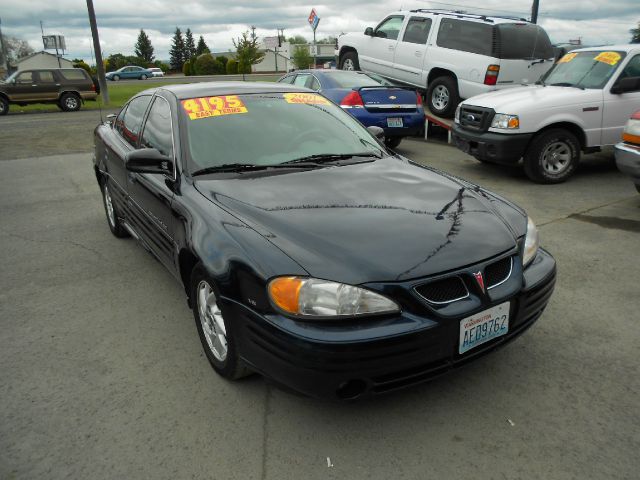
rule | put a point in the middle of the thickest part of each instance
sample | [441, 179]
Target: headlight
[531, 243]
[507, 122]
[456, 116]
[320, 298]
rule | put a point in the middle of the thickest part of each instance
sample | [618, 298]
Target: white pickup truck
[581, 104]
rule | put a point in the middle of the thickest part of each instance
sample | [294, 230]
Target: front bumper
[628, 161]
[343, 363]
[413, 122]
[495, 147]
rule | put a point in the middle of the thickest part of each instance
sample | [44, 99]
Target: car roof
[623, 47]
[471, 17]
[212, 89]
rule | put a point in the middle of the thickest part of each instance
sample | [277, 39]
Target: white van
[450, 54]
[580, 105]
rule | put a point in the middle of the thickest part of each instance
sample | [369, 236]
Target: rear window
[473, 37]
[74, 74]
[522, 41]
[353, 80]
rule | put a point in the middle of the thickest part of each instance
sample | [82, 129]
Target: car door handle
[418, 53]
[391, 47]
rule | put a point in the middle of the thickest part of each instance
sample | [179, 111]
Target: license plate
[394, 122]
[484, 326]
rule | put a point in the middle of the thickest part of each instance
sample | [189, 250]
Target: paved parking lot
[102, 374]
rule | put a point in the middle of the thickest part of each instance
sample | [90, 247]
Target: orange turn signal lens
[629, 138]
[514, 122]
[285, 293]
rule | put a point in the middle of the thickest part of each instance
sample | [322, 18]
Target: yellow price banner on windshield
[567, 57]
[205, 107]
[306, 98]
[610, 58]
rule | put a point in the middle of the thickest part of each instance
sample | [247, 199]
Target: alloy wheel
[111, 216]
[556, 158]
[212, 322]
[348, 65]
[71, 102]
[440, 97]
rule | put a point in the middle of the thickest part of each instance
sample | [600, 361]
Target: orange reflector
[514, 123]
[627, 137]
[285, 292]
[493, 68]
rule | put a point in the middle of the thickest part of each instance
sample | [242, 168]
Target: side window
[313, 83]
[632, 69]
[119, 123]
[74, 74]
[133, 118]
[288, 79]
[25, 77]
[157, 129]
[301, 80]
[417, 30]
[390, 28]
[472, 37]
[46, 76]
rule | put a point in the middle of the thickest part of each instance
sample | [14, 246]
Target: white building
[41, 60]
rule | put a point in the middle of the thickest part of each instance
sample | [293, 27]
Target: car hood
[525, 99]
[387, 220]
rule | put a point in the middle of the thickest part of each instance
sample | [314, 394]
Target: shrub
[205, 65]
[232, 67]
[186, 68]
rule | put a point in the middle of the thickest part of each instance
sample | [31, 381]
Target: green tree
[232, 67]
[635, 34]
[79, 63]
[189, 45]
[206, 65]
[143, 47]
[297, 39]
[201, 47]
[301, 57]
[177, 51]
[247, 52]
[223, 60]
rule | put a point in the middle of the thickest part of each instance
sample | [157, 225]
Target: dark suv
[66, 87]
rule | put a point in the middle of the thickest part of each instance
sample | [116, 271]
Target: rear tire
[143, 77]
[349, 62]
[392, 142]
[4, 106]
[70, 102]
[552, 156]
[215, 328]
[443, 96]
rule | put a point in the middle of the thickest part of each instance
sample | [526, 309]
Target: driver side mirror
[623, 85]
[148, 160]
[368, 31]
[377, 132]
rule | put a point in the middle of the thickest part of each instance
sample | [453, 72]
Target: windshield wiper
[330, 157]
[566, 84]
[238, 167]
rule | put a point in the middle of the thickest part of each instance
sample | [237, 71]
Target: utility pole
[534, 11]
[3, 49]
[102, 80]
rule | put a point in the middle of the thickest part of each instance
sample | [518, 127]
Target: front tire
[349, 62]
[215, 328]
[70, 102]
[552, 157]
[115, 225]
[115, 78]
[392, 142]
[4, 106]
[143, 77]
[443, 96]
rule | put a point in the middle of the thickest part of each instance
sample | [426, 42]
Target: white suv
[450, 54]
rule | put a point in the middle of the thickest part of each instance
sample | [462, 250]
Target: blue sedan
[130, 71]
[370, 98]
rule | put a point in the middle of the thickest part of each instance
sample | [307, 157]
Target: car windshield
[269, 129]
[584, 69]
[353, 80]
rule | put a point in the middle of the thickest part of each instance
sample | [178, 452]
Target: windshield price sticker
[567, 57]
[610, 58]
[205, 107]
[306, 98]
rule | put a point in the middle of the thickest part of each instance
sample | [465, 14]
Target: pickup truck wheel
[4, 106]
[350, 62]
[215, 328]
[70, 102]
[112, 214]
[392, 142]
[552, 157]
[443, 97]
[115, 78]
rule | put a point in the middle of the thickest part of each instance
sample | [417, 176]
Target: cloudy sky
[119, 21]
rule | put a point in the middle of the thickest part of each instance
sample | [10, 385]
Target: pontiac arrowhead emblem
[480, 280]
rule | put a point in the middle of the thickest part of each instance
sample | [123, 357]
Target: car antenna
[99, 100]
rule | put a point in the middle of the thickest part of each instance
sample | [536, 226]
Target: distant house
[41, 60]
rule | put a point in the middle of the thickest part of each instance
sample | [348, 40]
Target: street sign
[53, 42]
[313, 50]
[314, 19]
[271, 42]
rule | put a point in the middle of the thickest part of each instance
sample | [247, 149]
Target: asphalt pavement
[102, 374]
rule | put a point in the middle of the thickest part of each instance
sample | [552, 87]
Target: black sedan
[308, 252]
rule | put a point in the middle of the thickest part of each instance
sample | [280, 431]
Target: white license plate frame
[472, 330]
[395, 122]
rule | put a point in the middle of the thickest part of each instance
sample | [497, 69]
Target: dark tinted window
[157, 128]
[313, 83]
[74, 74]
[46, 76]
[25, 77]
[390, 28]
[522, 40]
[632, 69]
[473, 37]
[133, 118]
[417, 30]
[119, 123]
